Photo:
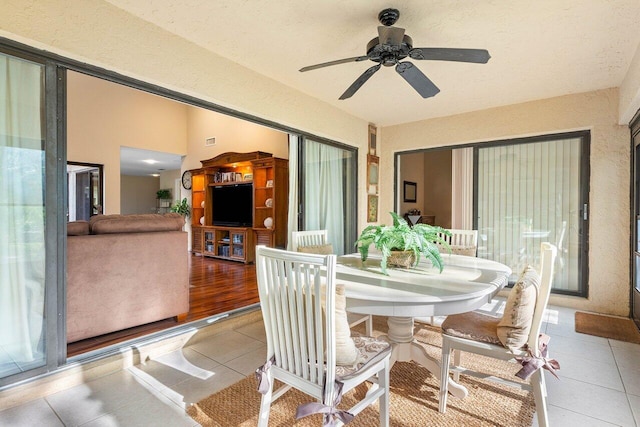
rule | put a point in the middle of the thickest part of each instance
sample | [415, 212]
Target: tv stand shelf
[231, 243]
[233, 234]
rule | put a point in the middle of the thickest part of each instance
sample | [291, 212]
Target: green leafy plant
[163, 194]
[182, 207]
[421, 239]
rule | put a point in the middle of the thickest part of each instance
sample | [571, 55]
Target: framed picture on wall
[372, 208]
[372, 140]
[410, 191]
[372, 174]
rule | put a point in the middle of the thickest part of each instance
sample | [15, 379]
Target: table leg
[406, 349]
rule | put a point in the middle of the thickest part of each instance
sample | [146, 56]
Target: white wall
[610, 165]
[138, 194]
[104, 116]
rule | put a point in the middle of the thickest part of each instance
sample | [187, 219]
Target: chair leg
[539, 394]
[383, 383]
[265, 404]
[444, 375]
[368, 325]
[457, 356]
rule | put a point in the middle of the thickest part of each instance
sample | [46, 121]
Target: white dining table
[465, 284]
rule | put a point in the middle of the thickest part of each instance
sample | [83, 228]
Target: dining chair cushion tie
[331, 415]
[473, 326]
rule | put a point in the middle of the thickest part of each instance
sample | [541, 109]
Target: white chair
[308, 238]
[458, 330]
[301, 313]
[461, 242]
[315, 241]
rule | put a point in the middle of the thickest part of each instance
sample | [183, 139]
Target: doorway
[84, 182]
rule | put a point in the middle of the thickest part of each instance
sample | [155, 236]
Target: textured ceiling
[539, 49]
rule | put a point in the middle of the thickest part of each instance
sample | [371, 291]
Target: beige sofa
[125, 271]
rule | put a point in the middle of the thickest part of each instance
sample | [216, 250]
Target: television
[232, 205]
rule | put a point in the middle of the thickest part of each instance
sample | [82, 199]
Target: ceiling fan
[391, 46]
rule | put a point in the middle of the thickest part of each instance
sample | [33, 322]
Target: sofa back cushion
[143, 223]
[77, 228]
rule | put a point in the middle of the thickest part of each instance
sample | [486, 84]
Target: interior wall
[412, 170]
[609, 230]
[437, 186]
[104, 116]
[138, 194]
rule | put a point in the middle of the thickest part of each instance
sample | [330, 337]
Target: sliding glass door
[530, 191]
[22, 216]
[328, 192]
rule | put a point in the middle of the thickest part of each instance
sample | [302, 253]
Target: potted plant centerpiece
[401, 244]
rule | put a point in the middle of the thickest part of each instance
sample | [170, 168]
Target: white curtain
[462, 188]
[292, 219]
[22, 254]
[324, 196]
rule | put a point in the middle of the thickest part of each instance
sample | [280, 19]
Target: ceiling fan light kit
[392, 46]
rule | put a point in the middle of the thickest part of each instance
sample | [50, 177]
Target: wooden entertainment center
[269, 178]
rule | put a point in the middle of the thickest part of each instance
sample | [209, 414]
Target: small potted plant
[401, 244]
[163, 194]
[182, 208]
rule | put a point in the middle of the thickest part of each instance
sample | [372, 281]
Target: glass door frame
[585, 172]
[634, 244]
[55, 193]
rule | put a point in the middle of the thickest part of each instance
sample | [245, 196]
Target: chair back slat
[548, 253]
[308, 238]
[463, 242]
[297, 297]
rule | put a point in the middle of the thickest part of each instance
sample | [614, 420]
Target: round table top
[465, 284]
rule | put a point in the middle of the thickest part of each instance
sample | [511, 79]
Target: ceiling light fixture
[151, 161]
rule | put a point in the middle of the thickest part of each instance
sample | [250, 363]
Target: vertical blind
[529, 193]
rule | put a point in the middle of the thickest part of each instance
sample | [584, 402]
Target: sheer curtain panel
[22, 220]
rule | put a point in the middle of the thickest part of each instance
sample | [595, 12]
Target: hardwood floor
[215, 287]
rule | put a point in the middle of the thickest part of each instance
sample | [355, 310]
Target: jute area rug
[617, 328]
[413, 400]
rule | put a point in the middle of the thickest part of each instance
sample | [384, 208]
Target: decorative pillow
[346, 352]
[513, 328]
[326, 249]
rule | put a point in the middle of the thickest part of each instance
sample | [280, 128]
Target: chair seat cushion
[326, 249]
[370, 349]
[472, 326]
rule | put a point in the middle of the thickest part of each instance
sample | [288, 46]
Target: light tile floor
[599, 382]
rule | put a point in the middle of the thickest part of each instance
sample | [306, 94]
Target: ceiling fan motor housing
[389, 55]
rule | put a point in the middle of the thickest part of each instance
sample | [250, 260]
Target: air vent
[210, 141]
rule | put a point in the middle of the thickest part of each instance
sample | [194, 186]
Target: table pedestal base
[406, 349]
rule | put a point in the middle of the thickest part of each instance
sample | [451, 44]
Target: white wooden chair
[461, 242]
[317, 242]
[308, 238]
[300, 311]
[476, 325]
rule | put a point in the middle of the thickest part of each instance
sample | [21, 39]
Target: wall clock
[186, 180]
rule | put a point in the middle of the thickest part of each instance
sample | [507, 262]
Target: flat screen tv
[233, 205]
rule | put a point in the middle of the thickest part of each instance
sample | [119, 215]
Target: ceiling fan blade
[390, 35]
[416, 79]
[478, 56]
[336, 62]
[359, 82]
